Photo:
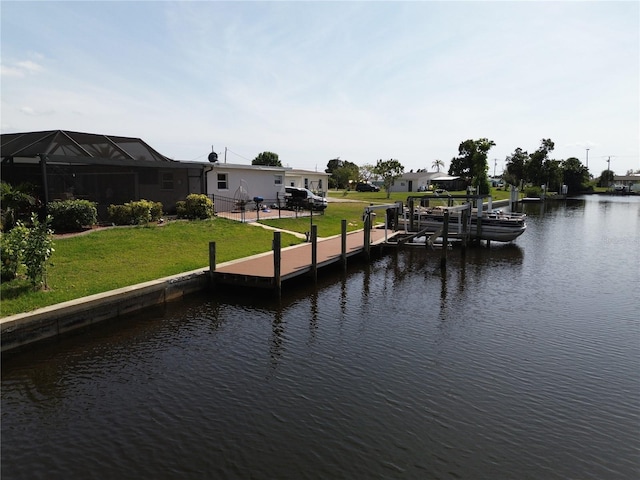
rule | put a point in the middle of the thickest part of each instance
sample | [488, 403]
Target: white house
[627, 183]
[235, 181]
[315, 181]
[422, 181]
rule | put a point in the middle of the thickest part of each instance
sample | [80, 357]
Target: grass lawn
[381, 196]
[113, 258]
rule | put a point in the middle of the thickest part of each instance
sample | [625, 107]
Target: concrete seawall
[48, 322]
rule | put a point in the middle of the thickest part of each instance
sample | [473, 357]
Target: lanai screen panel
[138, 149]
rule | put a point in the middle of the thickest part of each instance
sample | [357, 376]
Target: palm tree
[437, 164]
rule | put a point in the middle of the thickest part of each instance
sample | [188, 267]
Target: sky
[315, 81]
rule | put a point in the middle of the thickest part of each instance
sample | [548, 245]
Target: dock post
[479, 223]
[367, 234]
[343, 248]
[445, 240]
[277, 258]
[465, 228]
[212, 259]
[314, 253]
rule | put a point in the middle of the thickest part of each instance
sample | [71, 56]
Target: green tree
[574, 175]
[437, 164]
[389, 171]
[535, 171]
[552, 173]
[366, 173]
[606, 178]
[472, 162]
[267, 158]
[342, 171]
[514, 171]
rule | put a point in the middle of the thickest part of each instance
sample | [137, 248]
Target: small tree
[37, 250]
[472, 162]
[267, 158]
[537, 172]
[606, 178]
[366, 173]
[514, 172]
[342, 172]
[574, 175]
[389, 171]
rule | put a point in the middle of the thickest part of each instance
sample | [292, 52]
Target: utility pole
[495, 163]
[587, 159]
[609, 171]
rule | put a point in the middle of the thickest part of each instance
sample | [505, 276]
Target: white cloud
[21, 69]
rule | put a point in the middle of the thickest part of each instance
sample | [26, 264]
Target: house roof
[81, 146]
[626, 178]
[426, 175]
[414, 175]
[240, 166]
[297, 171]
[443, 178]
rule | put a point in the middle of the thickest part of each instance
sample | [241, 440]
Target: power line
[237, 154]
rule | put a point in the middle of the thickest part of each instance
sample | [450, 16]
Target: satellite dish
[213, 157]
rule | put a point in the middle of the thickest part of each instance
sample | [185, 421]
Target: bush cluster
[30, 247]
[135, 213]
[12, 245]
[196, 206]
[72, 215]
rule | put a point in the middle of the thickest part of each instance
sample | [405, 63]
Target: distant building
[627, 183]
[424, 181]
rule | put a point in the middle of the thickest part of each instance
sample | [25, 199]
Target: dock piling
[445, 240]
[343, 243]
[212, 258]
[277, 258]
[314, 253]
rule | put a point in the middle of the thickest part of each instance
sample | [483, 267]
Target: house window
[167, 181]
[306, 183]
[320, 184]
[223, 181]
[277, 179]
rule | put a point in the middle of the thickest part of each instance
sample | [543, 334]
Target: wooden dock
[269, 269]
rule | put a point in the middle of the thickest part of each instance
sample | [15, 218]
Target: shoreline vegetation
[110, 258]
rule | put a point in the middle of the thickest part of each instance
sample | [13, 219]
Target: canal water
[520, 361]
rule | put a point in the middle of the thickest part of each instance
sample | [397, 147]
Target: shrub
[119, 214]
[72, 215]
[181, 209]
[37, 250]
[196, 206]
[12, 247]
[17, 203]
[533, 191]
[135, 213]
